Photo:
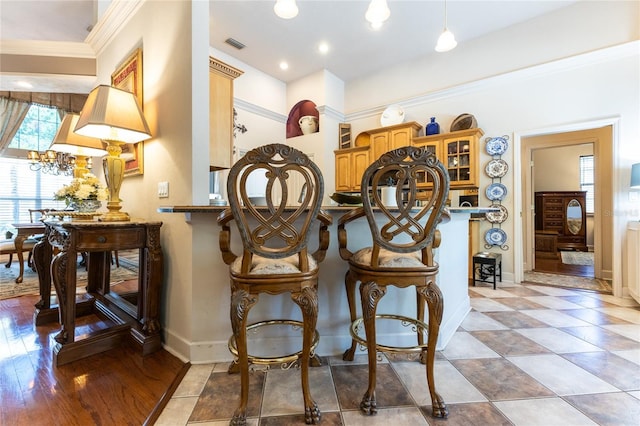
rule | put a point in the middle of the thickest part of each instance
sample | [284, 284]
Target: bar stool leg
[433, 297]
[350, 284]
[370, 294]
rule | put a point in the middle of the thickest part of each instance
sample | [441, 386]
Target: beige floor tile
[631, 315]
[493, 294]
[553, 302]
[555, 318]
[488, 305]
[608, 409]
[554, 291]
[386, 417]
[194, 381]
[452, 386]
[561, 376]
[556, 340]
[464, 346]
[542, 412]
[632, 331]
[480, 321]
[632, 355]
[177, 411]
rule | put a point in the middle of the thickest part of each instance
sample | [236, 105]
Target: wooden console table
[140, 321]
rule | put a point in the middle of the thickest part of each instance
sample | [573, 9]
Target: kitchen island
[333, 318]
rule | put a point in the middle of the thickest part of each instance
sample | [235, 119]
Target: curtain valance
[69, 102]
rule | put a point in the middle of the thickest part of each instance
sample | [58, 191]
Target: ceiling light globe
[377, 12]
[286, 9]
[446, 41]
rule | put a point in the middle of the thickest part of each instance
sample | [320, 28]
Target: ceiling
[355, 49]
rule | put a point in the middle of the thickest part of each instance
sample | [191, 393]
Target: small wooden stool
[488, 265]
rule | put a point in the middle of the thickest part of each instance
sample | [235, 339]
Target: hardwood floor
[555, 266]
[117, 387]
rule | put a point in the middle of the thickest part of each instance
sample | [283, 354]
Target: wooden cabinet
[387, 138]
[221, 78]
[370, 145]
[459, 152]
[350, 166]
[563, 212]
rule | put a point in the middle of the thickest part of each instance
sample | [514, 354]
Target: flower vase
[86, 206]
[432, 128]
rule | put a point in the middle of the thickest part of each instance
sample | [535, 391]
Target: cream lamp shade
[635, 176]
[113, 115]
[81, 147]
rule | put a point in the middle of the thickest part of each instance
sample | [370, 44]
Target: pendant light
[447, 40]
[286, 9]
[377, 13]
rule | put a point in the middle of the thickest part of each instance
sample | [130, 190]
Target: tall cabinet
[565, 213]
[221, 78]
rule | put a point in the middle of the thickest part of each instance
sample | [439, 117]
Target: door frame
[523, 223]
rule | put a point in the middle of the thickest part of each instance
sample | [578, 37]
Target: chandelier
[53, 163]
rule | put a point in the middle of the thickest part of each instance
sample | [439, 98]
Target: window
[23, 189]
[38, 129]
[587, 180]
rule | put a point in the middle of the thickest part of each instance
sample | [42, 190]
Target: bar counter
[333, 320]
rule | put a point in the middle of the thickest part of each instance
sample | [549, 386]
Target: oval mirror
[574, 216]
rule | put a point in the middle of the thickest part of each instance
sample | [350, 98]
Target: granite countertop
[328, 208]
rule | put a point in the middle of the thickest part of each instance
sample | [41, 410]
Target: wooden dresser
[563, 212]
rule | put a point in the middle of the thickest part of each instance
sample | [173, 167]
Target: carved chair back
[406, 228]
[281, 227]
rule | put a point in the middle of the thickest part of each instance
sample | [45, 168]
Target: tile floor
[525, 355]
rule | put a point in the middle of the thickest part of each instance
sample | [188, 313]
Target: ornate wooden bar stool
[275, 258]
[401, 256]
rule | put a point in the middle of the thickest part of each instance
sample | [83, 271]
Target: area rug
[568, 281]
[30, 286]
[577, 258]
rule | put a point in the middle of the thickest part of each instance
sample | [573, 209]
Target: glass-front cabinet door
[459, 161]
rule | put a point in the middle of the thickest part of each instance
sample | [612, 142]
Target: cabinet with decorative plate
[350, 166]
[458, 151]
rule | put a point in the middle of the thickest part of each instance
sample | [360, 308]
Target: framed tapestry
[128, 76]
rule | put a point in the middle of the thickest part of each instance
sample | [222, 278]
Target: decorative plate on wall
[499, 216]
[496, 168]
[495, 237]
[496, 192]
[497, 145]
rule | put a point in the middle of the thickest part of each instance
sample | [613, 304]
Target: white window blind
[587, 180]
[22, 189]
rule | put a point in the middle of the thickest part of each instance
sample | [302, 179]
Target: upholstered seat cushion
[389, 259]
[265, 266]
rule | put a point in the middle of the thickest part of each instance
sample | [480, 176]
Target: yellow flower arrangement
[80, 189]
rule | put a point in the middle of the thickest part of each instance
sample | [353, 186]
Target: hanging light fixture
[377, 13]
[286, 9]
[447, 40]
[52, 162]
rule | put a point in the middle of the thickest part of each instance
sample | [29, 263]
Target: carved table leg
[350, 285]
[152, 282]
[59, 275]
[370, 294]
[307, 299]
[42, 261]
[241, 303]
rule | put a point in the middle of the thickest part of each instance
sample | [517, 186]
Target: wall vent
[235, 43]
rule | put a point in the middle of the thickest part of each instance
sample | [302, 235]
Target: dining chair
[404, 236]
[275, 257]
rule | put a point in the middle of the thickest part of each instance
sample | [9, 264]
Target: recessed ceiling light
[284, 65]
[24, 84]
[323, 48]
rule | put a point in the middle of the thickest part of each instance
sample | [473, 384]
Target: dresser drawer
[102, 240]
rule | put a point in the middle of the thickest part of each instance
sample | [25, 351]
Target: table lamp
[81, 147]
[113, 115]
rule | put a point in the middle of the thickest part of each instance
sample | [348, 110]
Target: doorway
[602, 140]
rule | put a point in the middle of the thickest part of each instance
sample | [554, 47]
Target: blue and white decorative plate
[496, 191]
[495, 237]
[497, 145]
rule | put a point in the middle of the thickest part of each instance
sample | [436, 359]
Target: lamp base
[114, 217]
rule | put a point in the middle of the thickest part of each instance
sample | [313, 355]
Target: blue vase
[432, 128]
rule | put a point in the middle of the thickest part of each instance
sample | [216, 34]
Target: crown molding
[595, 57]
[116, 16]
[66, 49]
[330, 112]
[258, 110]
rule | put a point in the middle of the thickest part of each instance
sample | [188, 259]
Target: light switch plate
[163, 189]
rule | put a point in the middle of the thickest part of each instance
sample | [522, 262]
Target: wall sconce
[82, 148]
[286, 9]
[377, 13]
[446, 41]
[114, 116]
